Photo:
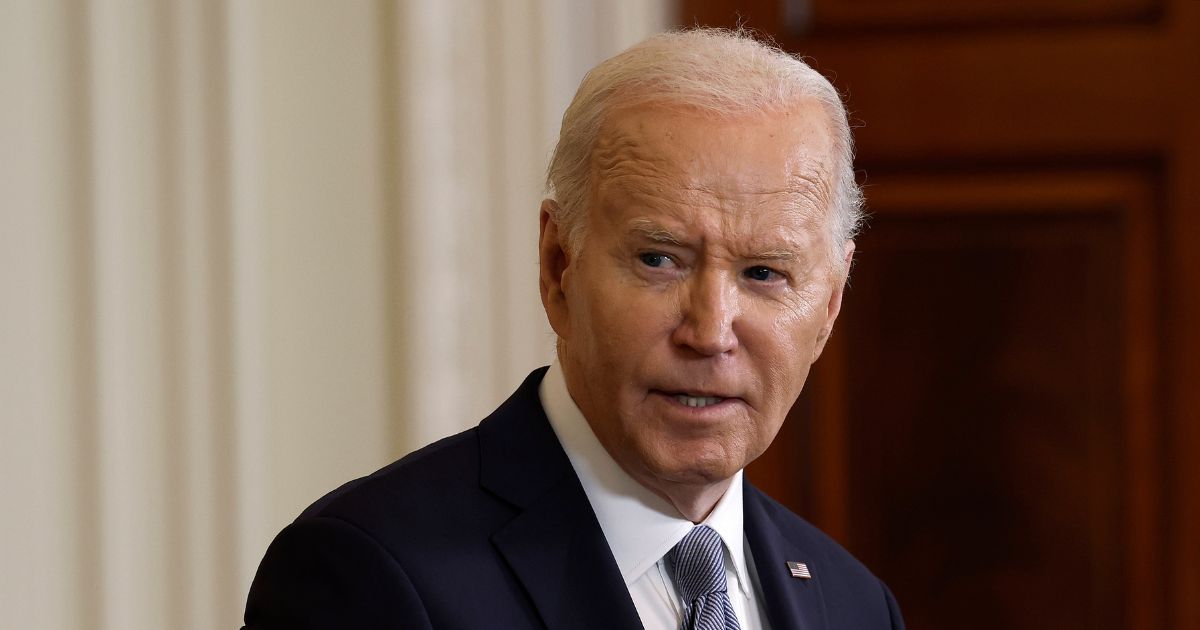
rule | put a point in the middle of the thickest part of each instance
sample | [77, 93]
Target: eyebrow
[656, 233]
[774, 254]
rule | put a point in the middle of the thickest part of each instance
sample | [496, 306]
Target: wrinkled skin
[706, 269]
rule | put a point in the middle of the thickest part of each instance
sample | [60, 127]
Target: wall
[249, 251]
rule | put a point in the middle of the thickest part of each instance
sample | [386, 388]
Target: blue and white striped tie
[697, 567]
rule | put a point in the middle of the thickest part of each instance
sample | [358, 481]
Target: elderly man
[693, 256]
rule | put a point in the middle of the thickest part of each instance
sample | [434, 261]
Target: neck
[693, 502]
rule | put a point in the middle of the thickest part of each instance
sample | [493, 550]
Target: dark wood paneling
[981, 476]
[983, 429]
[845, 15]
[1039, 162]
[997, 389]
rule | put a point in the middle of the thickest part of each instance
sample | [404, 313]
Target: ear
[834, 306]
[554, 262]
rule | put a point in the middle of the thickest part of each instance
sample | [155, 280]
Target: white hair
[716, 71]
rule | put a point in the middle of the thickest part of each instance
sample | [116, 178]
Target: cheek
[635, 316]
[802, 322]
[616, 326]
[785, 347]
[790, 335]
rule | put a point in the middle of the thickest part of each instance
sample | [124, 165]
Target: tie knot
[697, 565]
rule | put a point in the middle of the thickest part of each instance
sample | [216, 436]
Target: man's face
[704, 290]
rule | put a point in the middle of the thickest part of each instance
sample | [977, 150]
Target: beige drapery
[249, 250]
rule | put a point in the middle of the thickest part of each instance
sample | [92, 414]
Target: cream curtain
[249, 250]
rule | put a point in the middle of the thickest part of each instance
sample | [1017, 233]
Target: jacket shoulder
[798, 530]
[448, 464]
[854, 597]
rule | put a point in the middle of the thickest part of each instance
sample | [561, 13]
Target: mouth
[697, 399]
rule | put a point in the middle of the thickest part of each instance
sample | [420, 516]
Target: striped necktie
[697, 567]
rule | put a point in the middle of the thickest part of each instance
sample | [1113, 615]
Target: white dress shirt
[642, 527]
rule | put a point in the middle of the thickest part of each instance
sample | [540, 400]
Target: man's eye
[651, 259]
[761, 274]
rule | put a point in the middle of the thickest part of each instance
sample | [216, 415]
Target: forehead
[747, 169]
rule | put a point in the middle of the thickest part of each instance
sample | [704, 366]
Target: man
[693, 256]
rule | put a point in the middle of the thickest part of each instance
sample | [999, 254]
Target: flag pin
[799, 570]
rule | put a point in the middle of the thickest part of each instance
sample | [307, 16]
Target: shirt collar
[640, 526]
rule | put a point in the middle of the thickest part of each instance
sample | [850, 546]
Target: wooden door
[1006, 423]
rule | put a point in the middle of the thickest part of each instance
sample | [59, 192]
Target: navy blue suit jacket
[490, 528]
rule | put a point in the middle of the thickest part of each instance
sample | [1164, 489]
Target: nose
[709, 309]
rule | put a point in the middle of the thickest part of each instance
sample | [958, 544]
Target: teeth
[697, 401]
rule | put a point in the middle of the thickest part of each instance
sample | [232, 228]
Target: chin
[698, 470]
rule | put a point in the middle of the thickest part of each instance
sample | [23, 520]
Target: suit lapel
[565, 564]
[554, 545]
[790, 602]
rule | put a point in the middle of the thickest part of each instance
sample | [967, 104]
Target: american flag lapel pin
[799, 570]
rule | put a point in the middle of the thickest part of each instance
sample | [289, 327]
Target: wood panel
[979, 475]
[994, 437]
[845, 15]
[988, 124]
[1019, 422]
[1032, 170]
